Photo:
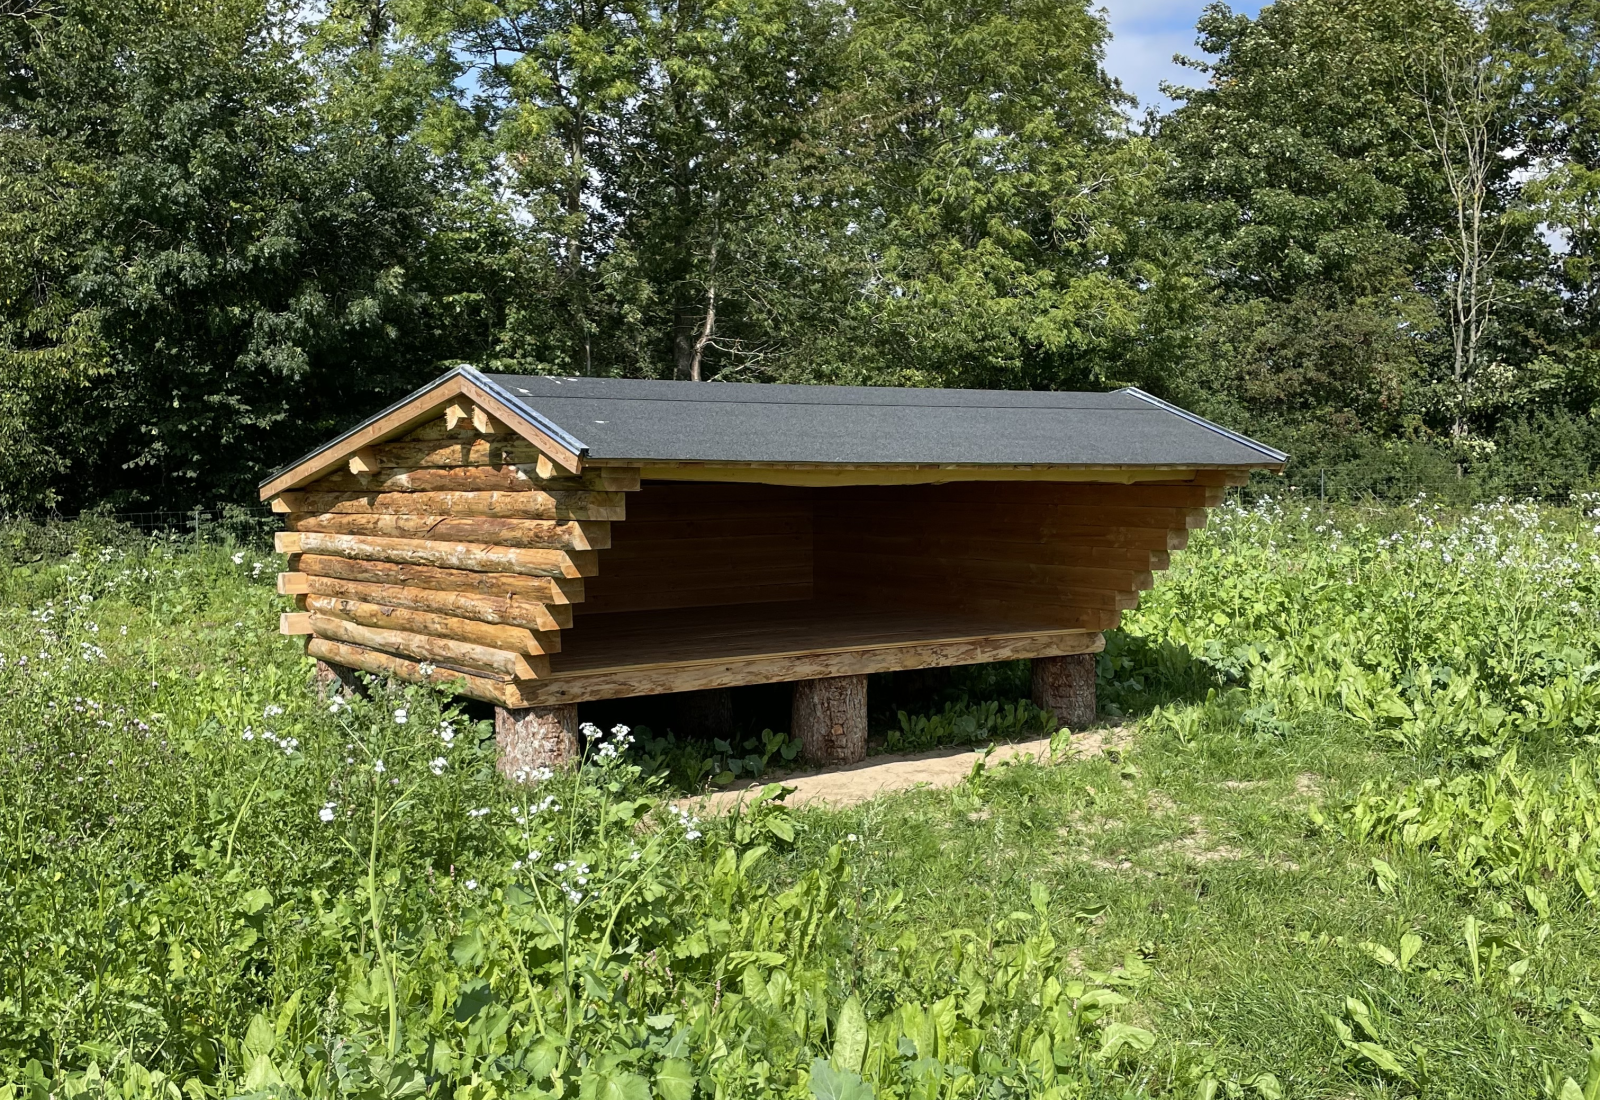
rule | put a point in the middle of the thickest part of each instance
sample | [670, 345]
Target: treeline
[229, 229]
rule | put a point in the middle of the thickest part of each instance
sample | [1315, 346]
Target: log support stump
[707, 713]
[531, 738]
[1065, 687]
[830, 718]
[334, 681]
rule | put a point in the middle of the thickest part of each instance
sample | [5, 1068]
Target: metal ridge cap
[534, 416]
[1167, 406]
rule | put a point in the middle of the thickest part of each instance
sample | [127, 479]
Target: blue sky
[1146, 33]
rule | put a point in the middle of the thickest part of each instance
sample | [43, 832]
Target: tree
[1297, 187]
[1458, 96]
[239, 266]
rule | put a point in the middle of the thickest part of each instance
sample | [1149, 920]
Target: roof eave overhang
[425, 404]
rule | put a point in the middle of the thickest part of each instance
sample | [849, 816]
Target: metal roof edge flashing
[532, 415]
[460, 370]
[1167, 406]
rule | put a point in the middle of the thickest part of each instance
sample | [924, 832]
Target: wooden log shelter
[537, 542]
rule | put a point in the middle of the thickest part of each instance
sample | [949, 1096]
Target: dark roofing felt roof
[618, 418]
[656, 421]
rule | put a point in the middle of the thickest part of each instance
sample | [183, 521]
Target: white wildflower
[436, 765]
[471, 884]
[401, 716]
[326, 813]
[238, 559]
[379, 768]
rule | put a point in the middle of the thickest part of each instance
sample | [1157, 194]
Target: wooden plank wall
[690, 544]
[1071, 554]
[455, 552]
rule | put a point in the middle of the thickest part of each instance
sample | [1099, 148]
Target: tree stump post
[1065, 687]
[336, 680]
[830, 718]
[707, 713]
[531, 738]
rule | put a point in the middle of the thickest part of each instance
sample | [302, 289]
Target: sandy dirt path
[857, 783]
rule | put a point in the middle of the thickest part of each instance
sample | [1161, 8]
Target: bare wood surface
[622, 680]
[471, 685]
[516, 639]
[528, 739]
[507, 478]
[423, 647]
[363, 462]
[549, 590]
[467, 556]
[292, 584]
[294, 622]
[505, 610]
[1065, 686]
[829, 716]
[530, 534]
[530, 504]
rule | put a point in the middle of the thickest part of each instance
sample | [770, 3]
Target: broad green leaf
[1266, 1086]
[674, 1080]
[260, 1037]
[1119, 1035]
[850, 1036]
[1380, 1057]
[828, 1083]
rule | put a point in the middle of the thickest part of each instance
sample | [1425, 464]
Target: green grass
[1312, 871]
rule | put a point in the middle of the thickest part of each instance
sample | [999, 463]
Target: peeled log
[530, 504]
[498, 662]
[514, 611]
[511, 477]
[471, 556]
[469, 451]
[1065, 687]
[556, 592]
[386, 664]
[514, 638]
[830, 718]
[530, 534]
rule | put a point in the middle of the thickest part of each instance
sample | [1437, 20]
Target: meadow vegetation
[1349, 848]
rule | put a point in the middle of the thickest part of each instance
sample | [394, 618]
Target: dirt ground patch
[857, 783]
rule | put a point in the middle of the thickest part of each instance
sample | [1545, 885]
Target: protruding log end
[830, 718]
[532, 738]
[1065, 687]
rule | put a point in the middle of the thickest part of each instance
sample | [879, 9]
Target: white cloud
[1144, 36]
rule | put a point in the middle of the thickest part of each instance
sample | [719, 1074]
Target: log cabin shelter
[537, 542]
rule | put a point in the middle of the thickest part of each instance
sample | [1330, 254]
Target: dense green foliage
[1352, 849]
[230, 231]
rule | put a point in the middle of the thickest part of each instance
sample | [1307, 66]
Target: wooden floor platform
[610, 656]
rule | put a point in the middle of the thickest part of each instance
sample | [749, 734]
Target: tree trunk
[1065, 687]
[334, 680]
[533, 738]
[830, 718]
[706, 713]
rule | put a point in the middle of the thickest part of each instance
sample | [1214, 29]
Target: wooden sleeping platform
[537, 543]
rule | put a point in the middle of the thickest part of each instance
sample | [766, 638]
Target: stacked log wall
[454, 554]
